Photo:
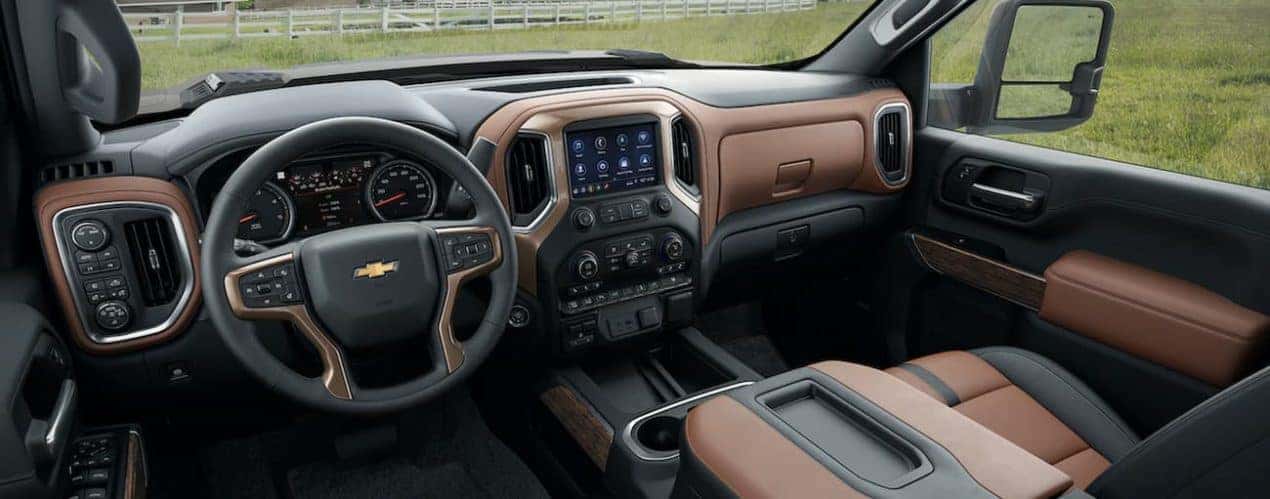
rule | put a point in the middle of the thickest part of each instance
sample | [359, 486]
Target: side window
[1185, 85]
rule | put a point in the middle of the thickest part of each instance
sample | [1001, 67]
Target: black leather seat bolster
[1066, 397]
[1221, 448]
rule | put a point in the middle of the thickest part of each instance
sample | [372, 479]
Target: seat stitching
[1074, 454]
[1123, 431]
[994, 390]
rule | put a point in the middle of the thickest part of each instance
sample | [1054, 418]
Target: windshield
[180, 40]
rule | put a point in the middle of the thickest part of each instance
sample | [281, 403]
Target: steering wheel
[359, 287]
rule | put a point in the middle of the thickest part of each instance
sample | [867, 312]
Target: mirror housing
[977, 107]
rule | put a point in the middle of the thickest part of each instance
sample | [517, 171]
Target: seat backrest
[1220, 448]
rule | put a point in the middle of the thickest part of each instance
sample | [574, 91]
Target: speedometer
[269, 217]
[401, 190]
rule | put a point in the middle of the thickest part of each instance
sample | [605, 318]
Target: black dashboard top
[453, 110]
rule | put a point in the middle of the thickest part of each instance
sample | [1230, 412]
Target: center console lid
[846, 430]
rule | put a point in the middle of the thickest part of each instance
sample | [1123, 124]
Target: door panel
[1213, 235]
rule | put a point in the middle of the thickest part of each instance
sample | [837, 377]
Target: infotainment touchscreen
[612, 159]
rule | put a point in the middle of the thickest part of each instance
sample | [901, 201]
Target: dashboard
[630, 204]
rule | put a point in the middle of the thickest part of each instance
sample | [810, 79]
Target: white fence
[440, 15]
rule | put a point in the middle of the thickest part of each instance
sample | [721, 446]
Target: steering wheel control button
[464, 251]
[90, 235]
[113, 315]
[273, 286]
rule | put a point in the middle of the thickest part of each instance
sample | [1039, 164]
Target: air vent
[154, 255]
[528, 177]
[685, 165]
[71, 171]
[890, 142]
[544, 85]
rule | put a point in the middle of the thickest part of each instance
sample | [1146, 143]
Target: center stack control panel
[632, 274]
[622, 264]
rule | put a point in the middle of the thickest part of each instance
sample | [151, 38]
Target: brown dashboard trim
[709, 124]
[770, 166]
[60, 196]
[1012, 284]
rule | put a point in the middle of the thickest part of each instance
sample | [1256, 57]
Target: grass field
[1187, 87]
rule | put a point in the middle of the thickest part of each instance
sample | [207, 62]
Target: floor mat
[396, 478]
[739, 330]
[449, 452]
[758, 353]
[443, 449]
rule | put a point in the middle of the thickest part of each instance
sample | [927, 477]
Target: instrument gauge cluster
[319, 194]
[401, 190]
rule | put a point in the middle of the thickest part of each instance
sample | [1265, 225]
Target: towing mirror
[1040, 69]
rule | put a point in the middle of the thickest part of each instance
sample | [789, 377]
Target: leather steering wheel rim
[220, 264]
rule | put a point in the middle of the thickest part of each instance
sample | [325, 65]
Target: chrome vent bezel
[905, 150]
[543, 206]
[685, 151]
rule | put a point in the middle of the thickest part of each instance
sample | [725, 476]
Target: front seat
[1217, 449]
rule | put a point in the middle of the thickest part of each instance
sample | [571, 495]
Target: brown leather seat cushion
[973, 387]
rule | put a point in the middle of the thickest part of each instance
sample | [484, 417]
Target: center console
[835, 429]
[623, 263]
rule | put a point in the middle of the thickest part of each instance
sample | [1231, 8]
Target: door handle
[1006, 200]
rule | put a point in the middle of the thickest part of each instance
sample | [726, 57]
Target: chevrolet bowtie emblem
[374, 270]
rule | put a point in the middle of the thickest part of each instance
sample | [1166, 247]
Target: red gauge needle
[390, 199]
[248, 218]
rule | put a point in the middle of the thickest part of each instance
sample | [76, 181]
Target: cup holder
[659, 433]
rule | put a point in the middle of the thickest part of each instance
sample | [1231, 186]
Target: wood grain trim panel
[1009, 283]
[135, 474]
[60, 196]
[582, 422]
[709, 126]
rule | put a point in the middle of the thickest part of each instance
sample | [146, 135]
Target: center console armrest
[846, 430]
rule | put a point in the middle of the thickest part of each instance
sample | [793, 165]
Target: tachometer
[401, 190]
[269, 217]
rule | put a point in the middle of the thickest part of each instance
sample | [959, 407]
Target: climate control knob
[583, 218]
[672, 247]
[113, 315]
[588, 266]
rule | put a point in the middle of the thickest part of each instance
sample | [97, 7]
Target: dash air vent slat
[71, 171]
[890, 142]
[154, 258]
[682, 154]
[528, 177]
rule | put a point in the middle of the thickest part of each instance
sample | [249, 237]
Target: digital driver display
[328, 194]
[614, 159]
